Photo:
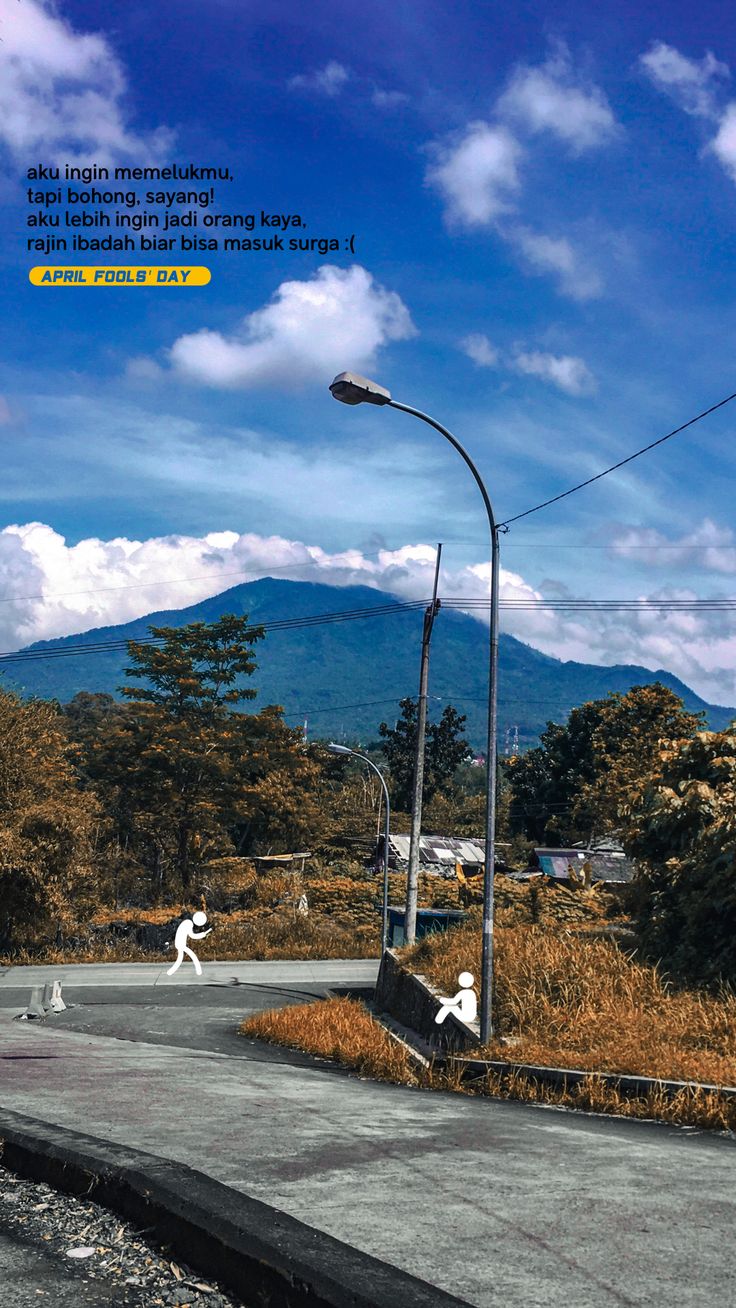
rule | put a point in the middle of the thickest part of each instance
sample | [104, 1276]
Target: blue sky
[543, 209]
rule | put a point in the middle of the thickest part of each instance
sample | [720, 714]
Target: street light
[343, 749]
[351, 388]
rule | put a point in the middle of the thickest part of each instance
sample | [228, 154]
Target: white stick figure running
[464, 1005]
[185, 931]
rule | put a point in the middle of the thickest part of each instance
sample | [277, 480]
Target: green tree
[577, 782]
[187, 777]
[445, 749]
[681, 828]
[169, 763]
[546, 782]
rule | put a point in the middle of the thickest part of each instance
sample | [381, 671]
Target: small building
[607, 863]
[437, 854]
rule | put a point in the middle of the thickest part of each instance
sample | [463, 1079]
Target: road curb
[267, 1257]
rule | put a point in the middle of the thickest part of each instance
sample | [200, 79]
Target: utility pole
[412, 880]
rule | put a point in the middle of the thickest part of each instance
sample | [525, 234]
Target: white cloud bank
[49, 588]
[707, 546]
[337, 318]
[62, 92]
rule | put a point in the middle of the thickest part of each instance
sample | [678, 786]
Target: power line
[622, 462]
[727, 605]
[612, 545]
[283, 624]
[453, 603]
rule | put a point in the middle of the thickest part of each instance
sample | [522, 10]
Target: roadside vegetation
[562, 1001]
[567, 1000]
[340, 1029]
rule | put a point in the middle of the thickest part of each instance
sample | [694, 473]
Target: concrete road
[500, 1203]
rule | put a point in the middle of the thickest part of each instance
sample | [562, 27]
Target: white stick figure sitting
[464, 1004]
[185, 931]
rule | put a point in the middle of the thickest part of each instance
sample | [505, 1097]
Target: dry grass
[270, 934]
[340, 1029]
[690, 1107]
[344, 1030]
[343, 922]
[569, 1001]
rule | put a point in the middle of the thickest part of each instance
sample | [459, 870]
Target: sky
[542, 201]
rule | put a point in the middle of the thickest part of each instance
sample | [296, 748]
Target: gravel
[101, 1247]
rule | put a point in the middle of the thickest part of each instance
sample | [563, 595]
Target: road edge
[265, 1256]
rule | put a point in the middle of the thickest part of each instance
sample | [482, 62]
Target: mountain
[348, 676]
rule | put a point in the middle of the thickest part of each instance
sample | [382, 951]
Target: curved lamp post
[343, 749]
[351, 388]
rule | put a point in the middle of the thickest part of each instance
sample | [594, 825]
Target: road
[28, 1277]
[499, 1203]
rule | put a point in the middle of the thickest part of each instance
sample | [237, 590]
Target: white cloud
[329, 80]
[476, 172]
[567, 372]
[479, 349]
[707, 547]
[723, 144]
[552, 98]
[564, 371]
[695, 87]
[556, 255]
[51, 589]
[308, 330]
[388, 99]
[144, 370]
[62, 92]
[692, 84]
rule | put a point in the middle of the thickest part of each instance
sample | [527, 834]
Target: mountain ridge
[370, 663]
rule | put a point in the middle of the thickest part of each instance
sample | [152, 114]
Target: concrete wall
[411, 1000]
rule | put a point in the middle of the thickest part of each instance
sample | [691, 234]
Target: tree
[187, 777]
[170, 762]
[47, 824]
[546, 781]
[577, 781]
[682, 830]
[445, 750]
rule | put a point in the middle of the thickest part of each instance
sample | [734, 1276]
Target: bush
[683, 832]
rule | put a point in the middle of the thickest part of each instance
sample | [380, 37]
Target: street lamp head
[338, 749]
[351, 388]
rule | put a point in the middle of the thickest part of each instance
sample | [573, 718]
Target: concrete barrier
[35, 1007]
[267, 1257]
[413, 1001]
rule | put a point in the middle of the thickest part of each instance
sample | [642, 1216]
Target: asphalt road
[500, 1203]
[29, 1277]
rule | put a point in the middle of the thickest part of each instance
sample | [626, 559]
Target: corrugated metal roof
[608, 866]
[439, 849]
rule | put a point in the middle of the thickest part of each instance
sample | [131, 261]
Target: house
[606, 860]
[437, 854]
